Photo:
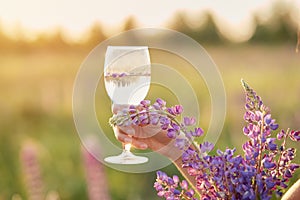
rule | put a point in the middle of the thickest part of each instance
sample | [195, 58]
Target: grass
[36, 104]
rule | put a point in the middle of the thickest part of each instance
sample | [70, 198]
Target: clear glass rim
[127, 47]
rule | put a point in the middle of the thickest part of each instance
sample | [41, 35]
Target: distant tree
[130, 23]
[5, 42]
[280, 27]
[206, 32]
[58, 39]
[180, 23]
[54, 41]
[95, 34]
[16, 43]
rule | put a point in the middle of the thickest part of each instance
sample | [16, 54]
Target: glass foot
[127, 158]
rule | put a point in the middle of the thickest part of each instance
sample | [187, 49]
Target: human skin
[293, 193]
[158, 142]
[152, 137]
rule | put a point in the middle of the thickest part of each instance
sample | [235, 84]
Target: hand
[293, 193]
[148, 136]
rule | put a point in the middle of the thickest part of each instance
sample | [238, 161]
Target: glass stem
[127, 147]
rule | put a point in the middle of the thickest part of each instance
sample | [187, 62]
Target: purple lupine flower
[114, 75]
[145, 103]
[161, 102]
[171, 111]
[246, 130]
[274, 126]
[172, 188]
[198, 132]
[295, 135]
[171, 133]
[154, 118]
[189, 121]
[265, 168]
[122, 74]
[165, 122]
[268, 164]
[95, 177]
[293, 167]
[287, 174]
[175, 126]
[280, 135]
[270, 144]
[31, 170]
[175, 110]
[176, 179]
[206, 147]
[178, 109]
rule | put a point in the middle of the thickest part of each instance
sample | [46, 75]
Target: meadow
[36, 107]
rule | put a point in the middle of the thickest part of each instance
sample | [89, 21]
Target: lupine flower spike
[264, 169]
[95, 175]
[31, 169]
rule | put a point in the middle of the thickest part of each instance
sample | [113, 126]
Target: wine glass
[127, 75]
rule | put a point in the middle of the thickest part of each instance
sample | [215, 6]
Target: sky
[76, 16]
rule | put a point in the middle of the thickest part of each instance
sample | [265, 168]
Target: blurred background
[43, 43]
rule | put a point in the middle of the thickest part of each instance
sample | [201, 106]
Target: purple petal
[288, 174]
[145, 103]
[161, 102]
[198, 132]
[171, 111]
[154, 120]
[178, 109]
[295, 135]
[206, 147]
[184, 185]
[171, 133]
[156, 106]
[293, 166]
[114, 75]
[176, 192]
[189, 121]
[274, 126]
[246, 130]
[268, 119]
[175, 179]
[269, 165]
[280, 135]
[175, 126]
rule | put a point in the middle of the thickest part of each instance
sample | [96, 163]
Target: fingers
[138, 144]
[121, 136]
[125, 138]
[146, 131]
[127, 130]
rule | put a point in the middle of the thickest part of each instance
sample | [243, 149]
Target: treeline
[57, 40]
[280, 27]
